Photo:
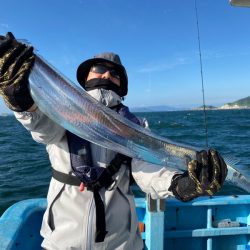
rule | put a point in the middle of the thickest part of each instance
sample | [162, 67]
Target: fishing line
[201, 71]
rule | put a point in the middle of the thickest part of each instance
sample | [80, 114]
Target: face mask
[100, 83]
[107, 97]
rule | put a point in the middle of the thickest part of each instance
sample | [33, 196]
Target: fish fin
[231, 160]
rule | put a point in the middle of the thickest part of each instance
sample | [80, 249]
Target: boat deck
[220, 222]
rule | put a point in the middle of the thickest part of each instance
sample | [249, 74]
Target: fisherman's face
[104, 71]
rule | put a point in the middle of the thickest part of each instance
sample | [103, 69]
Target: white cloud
[161, 66]
[4, 26]
[188, 58]
[220, 54]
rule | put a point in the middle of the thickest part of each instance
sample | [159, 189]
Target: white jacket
[69, 221]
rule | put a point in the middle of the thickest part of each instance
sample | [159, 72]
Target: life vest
[81, 157]
[94, 178]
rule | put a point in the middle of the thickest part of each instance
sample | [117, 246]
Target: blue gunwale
[20, 224]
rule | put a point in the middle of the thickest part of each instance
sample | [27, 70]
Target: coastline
[224, 107]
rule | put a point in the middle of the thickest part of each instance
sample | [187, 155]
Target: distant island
[206, 107]
[243, 103]
[161, 108]
[5, 114]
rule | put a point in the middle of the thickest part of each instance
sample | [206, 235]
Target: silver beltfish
[74, 109]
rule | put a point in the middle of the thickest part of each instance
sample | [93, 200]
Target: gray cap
[108, 57]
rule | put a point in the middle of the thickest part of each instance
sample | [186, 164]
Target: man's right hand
[16, 61]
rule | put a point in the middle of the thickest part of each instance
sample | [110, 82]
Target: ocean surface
[25, 168]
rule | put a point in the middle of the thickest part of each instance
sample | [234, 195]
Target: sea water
[25, 168]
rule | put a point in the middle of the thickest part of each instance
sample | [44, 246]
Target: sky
[156, 40]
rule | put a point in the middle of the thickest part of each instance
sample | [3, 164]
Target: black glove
[204, 176]
[16, 61]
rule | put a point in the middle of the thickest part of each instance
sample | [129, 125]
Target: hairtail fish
[74, 109]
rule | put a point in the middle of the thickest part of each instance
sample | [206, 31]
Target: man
[90, 204]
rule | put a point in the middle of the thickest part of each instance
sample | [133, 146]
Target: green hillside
[242, 102]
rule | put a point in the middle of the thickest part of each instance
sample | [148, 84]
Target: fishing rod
[201, 72]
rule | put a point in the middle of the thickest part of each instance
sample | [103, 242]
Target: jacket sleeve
[42, 128]
[153, 179]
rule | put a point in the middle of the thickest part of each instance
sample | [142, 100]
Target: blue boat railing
[216, 223]
[20, 225]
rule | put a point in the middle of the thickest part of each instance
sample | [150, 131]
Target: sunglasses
[101, 69]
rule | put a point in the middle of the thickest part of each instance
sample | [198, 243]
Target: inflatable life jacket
[93, 178]
[81, 158]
